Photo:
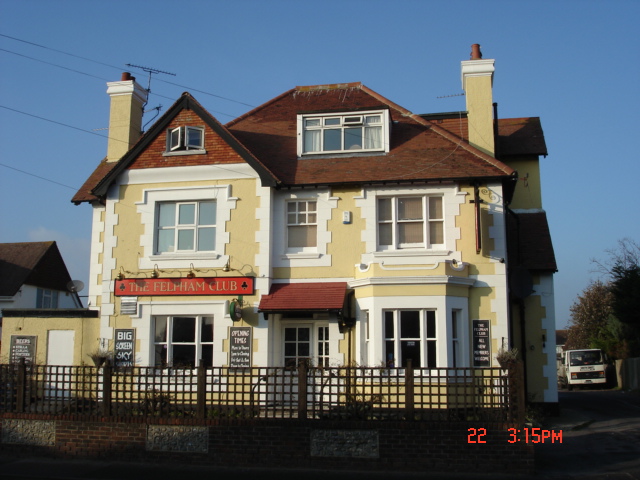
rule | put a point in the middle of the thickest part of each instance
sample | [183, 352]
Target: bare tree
[589, 316]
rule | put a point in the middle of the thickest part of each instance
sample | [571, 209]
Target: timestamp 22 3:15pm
[517, 435]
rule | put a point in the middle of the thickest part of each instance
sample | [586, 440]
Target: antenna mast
[150, 71]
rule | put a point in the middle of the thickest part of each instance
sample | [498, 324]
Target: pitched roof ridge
[328, 86]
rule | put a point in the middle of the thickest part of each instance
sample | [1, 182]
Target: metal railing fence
[363, 393]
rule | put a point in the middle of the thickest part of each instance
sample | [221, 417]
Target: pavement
[12, 468]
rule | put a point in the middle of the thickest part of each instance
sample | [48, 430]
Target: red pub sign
[185, 286]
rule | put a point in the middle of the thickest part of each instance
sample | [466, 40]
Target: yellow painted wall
[528, 192]
[536, 359]
[85, 342]
[241, 249]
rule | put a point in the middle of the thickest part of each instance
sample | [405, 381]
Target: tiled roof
[422, 148]
[516, 136]
[98, 182]
[304, 297]
[34, 263]
[529, 242]
[419, 149]
[84, 193]
[521, 136]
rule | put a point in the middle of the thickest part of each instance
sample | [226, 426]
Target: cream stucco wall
[85, 335]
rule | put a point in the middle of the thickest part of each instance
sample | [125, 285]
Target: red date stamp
[518, 435]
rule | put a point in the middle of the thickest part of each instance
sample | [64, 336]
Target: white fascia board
[193, 173]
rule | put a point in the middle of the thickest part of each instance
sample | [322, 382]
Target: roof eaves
[186, 102]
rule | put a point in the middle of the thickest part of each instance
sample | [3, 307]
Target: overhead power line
[53, 121]
[38, 176]
[115, 67]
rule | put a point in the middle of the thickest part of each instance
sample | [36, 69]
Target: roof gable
[33, 263]
[147, 152]
[418, 149]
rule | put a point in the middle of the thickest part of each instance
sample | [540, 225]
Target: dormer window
[185, 139]
[351, 132]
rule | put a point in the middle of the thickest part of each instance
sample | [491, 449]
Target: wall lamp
[121, 275]
[192, 271]
[156, 271]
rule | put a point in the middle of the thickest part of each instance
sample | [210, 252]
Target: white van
[584, 367]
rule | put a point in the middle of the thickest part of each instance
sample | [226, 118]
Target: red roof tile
[419, 150]
[516, 136]
[304, 297]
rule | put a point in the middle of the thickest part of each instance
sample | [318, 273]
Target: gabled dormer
[185, 135]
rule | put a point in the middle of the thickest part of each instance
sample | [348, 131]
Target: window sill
[411, 253]
[342, 153]
[304, 255]
[183, 152]
[182, 256]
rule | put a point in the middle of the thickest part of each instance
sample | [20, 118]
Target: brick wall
[273, 443]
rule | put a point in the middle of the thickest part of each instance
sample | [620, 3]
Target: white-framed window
[410, 222]
[185, 138]
[306, 343]
[183, 341]
[46, 298]
[349, 132]
[185, 227]
[302, 225]
[410, 335]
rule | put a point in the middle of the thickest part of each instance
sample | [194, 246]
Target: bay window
[410, 222]
[410, 335]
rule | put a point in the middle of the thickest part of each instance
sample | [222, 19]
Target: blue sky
[575, 64]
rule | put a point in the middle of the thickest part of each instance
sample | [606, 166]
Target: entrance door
[60, 347]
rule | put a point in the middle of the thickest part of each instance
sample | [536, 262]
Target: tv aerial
[150, 71]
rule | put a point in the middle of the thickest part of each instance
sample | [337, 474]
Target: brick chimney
[125, 118]
[477, 83]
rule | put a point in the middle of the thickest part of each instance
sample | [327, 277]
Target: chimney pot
[125, 77]
[476, 54]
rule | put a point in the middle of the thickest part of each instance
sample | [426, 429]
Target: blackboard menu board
[240, 347]
[124, 347]
[481, 343]
[23, 346]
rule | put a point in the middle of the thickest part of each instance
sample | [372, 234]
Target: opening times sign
[185, 286]
[240, 347]
[481, 343]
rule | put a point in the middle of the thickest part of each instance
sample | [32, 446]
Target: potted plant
[507, 358]
[100, 356]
